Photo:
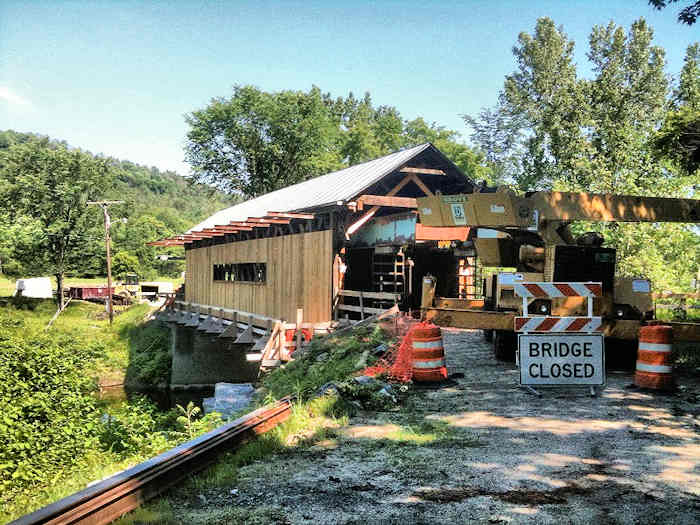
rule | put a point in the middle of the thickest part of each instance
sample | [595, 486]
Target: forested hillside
[157, 204]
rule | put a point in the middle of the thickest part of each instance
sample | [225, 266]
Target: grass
[313, 420]
[327, 359]
[129, 338]
[310, 422]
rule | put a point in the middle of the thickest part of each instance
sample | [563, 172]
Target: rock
[208, 404]
[362, 361]
[234, 492]
[328, 389]
[381, 349]
[387, 391]
[364, 380]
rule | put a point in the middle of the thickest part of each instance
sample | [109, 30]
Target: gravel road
[481, 450]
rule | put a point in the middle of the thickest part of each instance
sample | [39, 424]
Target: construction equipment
[531, 233]
[150, 290]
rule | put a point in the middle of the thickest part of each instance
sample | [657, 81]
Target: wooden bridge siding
[298, 274]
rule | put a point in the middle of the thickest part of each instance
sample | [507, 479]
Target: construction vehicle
[531, 234]
[133, 288]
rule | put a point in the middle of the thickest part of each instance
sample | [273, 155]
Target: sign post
[560, 351]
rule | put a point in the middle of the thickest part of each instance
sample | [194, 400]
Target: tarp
[37, 287]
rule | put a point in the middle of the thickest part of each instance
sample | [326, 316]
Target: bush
[133, 429]
[48, 414]
[344, 354]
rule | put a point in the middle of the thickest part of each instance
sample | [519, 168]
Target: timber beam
[424, 171]
[381, 200]
[288, 215]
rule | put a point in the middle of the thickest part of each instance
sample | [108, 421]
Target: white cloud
[12, 98]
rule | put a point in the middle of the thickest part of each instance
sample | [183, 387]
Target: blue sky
[117, 77]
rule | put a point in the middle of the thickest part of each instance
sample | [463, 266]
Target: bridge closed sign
[557, 359]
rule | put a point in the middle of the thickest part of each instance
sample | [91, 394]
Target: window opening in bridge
[241, 272]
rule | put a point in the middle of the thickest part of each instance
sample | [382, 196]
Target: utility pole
[108, 241]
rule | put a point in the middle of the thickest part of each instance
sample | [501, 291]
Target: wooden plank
[425, 171]
[381, 200]
[370, 213]
[295, 264]
[460, 304]
[352, 308]
[389, 296]
[474, 319]
[288, 215]
[421, 185]
[685, 331]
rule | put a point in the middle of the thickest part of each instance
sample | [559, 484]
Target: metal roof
[320, 191]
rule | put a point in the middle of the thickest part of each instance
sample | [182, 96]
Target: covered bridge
[345, 244]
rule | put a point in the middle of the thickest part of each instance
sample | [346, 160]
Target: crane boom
[505, 209]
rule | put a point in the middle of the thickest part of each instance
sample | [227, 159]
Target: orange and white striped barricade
[559, 351]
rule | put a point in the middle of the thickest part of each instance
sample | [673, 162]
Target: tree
[679, 138]
[123, 263]
[688, 15]
[552, 129]
[255, 142]
[688, 91]
[130, 239]
[627, 100]
[534, 135]
[52, 187]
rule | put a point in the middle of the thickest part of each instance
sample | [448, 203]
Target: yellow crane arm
[505, 209]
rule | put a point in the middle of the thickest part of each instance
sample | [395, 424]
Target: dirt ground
[484, 451]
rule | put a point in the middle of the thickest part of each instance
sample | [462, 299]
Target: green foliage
[55, 436]
[124, 262]
[49, 416]
[188, 418]
[344, 354]
[679, 139]
[255, 142]
[52, 186]
[688, 15]
[555, 130]
[149, 353]
[157, 204]
[133, 428]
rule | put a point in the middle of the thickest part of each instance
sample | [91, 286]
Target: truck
[528, 238]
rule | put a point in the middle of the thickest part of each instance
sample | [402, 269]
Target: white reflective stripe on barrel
[660, 369]
[654, 347]
[429, 364]
[428, 344]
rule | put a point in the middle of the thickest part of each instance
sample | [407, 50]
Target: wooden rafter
[268, 220]
[370, 213]
[288, 215]
[381, 200]
[251, 225]
[424, 171]
[420, 184]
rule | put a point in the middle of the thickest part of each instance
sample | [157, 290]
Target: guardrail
[111, 498]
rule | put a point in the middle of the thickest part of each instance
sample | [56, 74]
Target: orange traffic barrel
[428, 353]
[654, 362]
